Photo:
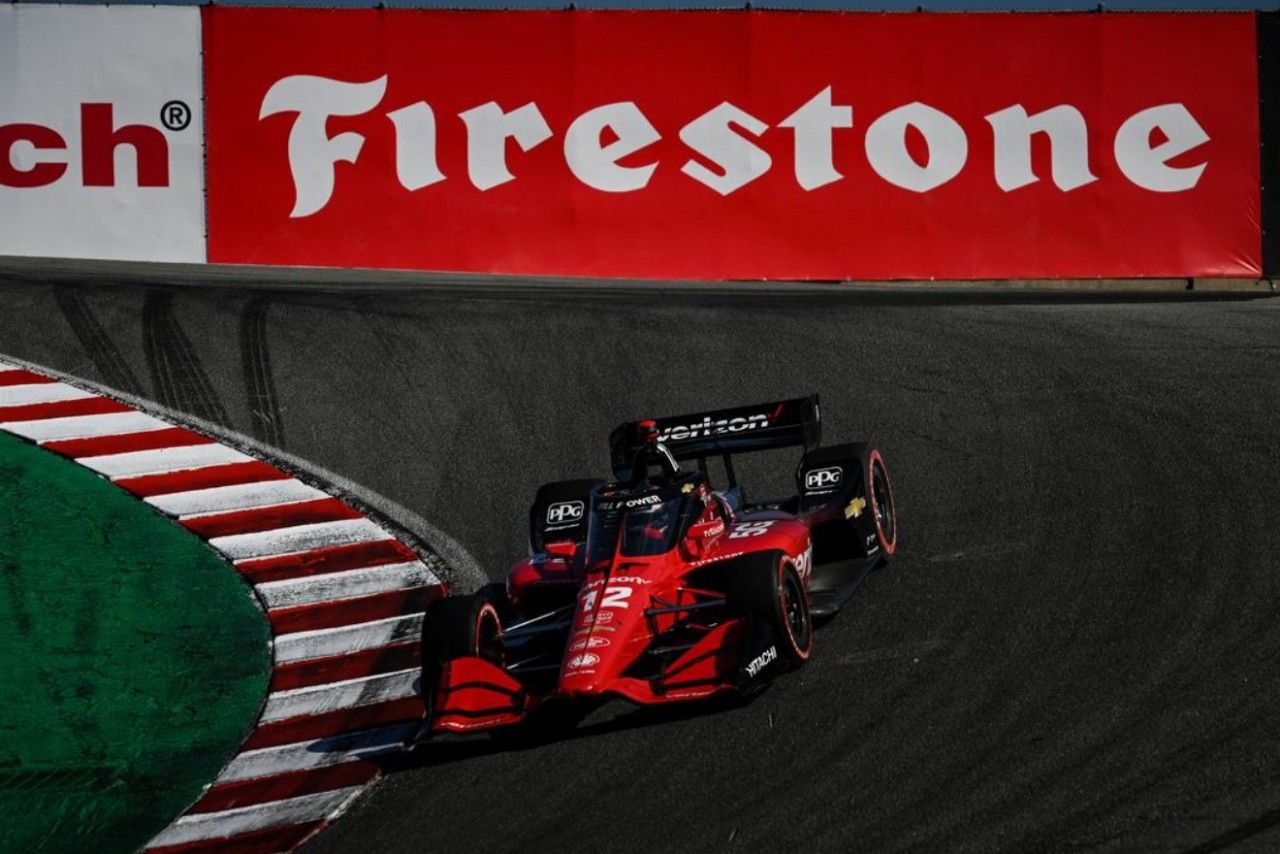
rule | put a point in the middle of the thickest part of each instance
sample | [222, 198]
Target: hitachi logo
[762, 660]
[707, 427]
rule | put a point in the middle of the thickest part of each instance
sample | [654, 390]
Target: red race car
[656, 587]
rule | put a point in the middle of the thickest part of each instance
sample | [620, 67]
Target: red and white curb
[343, 595]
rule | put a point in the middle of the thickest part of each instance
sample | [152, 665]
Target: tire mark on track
[260, 386]
[1261, 824]
[95, 341]
[176, 376]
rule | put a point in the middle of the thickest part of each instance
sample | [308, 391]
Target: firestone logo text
[1143, 146]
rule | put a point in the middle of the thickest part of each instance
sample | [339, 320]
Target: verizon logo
[725, 138]
[707, 427]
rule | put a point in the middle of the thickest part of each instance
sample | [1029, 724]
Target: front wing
[475, 694]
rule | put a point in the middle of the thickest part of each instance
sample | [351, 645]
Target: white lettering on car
[614, 596]
[560, 512]
[804, 562]
[750, 529]
[824, 478]
[761, 661]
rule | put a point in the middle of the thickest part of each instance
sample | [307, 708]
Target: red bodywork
[622, 606]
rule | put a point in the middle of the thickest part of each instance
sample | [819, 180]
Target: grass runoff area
[133, 659]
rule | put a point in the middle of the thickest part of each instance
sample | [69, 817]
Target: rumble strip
[343, 595]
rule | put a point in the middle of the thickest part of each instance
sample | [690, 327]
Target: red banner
[735, 144]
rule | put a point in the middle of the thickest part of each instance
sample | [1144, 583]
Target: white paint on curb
[163, 460]
[24, 395]
[319, 753]
[227, 823]
[85, 426]
[322, 643]
[345, 585]
[300, 538]
[318, 699]
[244, 496]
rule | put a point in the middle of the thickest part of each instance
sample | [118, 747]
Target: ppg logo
[564, 511]
[823, 478]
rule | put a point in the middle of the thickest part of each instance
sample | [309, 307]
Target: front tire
[457, 627]
[768, 589]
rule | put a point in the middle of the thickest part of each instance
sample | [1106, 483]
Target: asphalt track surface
[1077, 649]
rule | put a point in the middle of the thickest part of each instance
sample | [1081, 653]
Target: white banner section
[100, 133]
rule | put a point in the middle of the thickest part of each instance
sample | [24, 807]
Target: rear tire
[883, 512]
[865, 479]
[767, 587]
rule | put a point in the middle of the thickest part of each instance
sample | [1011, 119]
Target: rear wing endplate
[763, 427]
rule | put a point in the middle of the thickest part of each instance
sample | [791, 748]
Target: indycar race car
[657, 588]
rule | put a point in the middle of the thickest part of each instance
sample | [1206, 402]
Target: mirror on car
[698, 538]
[562, 548]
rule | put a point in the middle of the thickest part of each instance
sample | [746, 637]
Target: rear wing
[763, 427]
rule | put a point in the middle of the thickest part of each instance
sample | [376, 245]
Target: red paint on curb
[270, 518]
[208, 477]
[245, 793]
[21, 377]
[151, 440]
[322, 561]
[62, 409]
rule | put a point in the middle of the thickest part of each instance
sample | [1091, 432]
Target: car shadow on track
[449, 749]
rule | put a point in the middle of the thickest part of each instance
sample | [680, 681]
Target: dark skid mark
[95, 341]
[1264, 822]
[176, 376]
[260, 386]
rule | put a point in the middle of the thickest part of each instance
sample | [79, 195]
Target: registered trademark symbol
[175, 115]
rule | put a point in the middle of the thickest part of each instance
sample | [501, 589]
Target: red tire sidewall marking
[487, 611]
[873, 459]
[801, 654]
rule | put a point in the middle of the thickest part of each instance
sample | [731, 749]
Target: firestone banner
[101, 141]
[742, 144]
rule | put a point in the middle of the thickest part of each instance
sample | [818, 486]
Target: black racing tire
[495, 592]
[880, 494]
[461, 626]
[766, 586]
[457, 627]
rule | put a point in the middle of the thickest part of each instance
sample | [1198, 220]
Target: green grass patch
[133, 657]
